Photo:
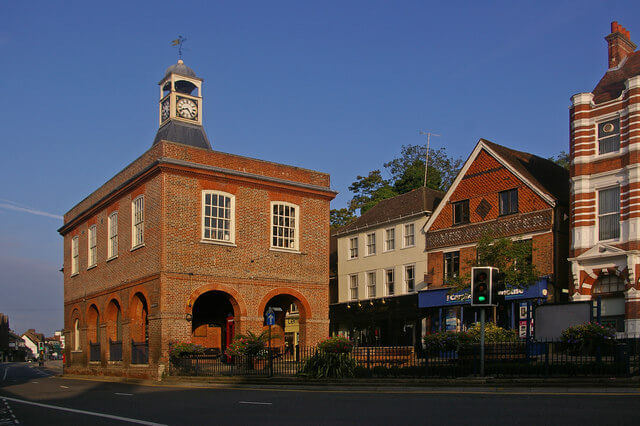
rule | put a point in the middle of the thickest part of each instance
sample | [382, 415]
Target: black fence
[94, 352]
[115, 350]
[139, 353]
[521, 359]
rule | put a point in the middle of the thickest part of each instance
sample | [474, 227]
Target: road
[35, 396]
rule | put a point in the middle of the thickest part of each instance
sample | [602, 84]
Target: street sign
[271, 317]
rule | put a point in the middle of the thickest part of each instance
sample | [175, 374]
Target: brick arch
[75, 313]
[239, 306]
[100, 311]
[306, 308]
[93, 323]
[589, 279]
[139, 316]
[132, 297]
[114, 328]
[107, 304]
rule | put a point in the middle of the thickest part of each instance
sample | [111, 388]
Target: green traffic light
[481, 298]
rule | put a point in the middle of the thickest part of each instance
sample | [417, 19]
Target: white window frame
[598, 215]
[600, 121]
[353, 248]
[406, 279]
[371, 284]
[392, 281]
[112, 243]
[353, 287]
[232, 218]
[296, 226]
[92, 246]
[389, 243]
[371, 243]
[405, 235]
[137, 222]
[75, 255]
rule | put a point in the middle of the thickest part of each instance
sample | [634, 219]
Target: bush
[585, 339]
[336, 345]
[449, 341]
[180, 350]
[324, 365]
[250, 344]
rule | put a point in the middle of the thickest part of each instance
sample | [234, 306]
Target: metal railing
[139, 352]
[115, 350]
[94, 352]
[520, 359]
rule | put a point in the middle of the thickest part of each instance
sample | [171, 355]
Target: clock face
[166, 109]
[186, 108]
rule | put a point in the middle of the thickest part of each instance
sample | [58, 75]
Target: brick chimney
[620, 44]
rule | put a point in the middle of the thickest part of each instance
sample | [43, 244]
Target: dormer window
[609, 136]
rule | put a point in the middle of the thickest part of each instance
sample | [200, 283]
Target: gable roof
[33, 336]
[612, 84]
[419, 200]
[543, 176]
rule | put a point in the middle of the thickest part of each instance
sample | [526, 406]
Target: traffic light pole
[481, 342]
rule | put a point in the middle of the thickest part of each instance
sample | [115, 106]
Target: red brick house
[187, 244]
[504, 193]
[605, 189]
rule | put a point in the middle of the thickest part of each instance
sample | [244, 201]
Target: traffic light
[482, 278]
[497, 287]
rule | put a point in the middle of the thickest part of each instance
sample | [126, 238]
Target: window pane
[609, 227]
[609, 201]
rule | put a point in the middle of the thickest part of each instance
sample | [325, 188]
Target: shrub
[180, 350]
[440, 342]
[449, 341]
[250, 344]
[324, 365]
[492, 334]
[586, 338]
[336, 345]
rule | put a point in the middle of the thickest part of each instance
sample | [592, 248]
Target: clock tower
[180, 107]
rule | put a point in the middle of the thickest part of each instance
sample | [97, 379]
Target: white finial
[180, 61]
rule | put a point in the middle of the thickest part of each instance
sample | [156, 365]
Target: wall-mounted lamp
[188, 317]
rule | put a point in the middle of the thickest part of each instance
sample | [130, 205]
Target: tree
[441, 166]
[513, 258]
[341, 217]
[369, 190]
[562, 160]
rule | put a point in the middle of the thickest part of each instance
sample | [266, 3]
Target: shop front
[441, 310]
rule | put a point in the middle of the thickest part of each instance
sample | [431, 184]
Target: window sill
[79, 351]
[137, 247]
[389, 251]
[369, 255]
[507, 214]
[284, 250]
[219, 243]
[139, 365]
[408, 247]
[353, 258]
[92, 266]
[114, 362]
[74, 274]
[112, 258]
[95, 362]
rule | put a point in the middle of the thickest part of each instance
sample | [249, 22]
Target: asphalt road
[36, 397]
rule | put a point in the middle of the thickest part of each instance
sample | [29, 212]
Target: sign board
[271, 317]
[552, 319]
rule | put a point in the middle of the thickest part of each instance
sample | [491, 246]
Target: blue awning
[441, 297]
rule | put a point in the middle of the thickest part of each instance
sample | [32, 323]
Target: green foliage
[406, 174]
[323, 365]
[341, 217]
[336, 345]
[587, 338]
[562, 160]
[180, 350]
[513, 258]
[448, 341]
[250, 344]
[492, 334]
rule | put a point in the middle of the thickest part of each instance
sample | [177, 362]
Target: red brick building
[187, 244]
[503, 193]
[605, 188]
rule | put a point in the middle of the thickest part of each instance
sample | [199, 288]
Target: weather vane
[179, 42]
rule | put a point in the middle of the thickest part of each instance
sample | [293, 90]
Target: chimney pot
[620, 45]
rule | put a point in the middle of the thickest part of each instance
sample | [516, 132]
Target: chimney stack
[620, 44]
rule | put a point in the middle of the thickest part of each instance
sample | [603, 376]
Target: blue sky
[333, 86]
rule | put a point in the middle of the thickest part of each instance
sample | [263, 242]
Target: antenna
[178, 42]
[426, 161]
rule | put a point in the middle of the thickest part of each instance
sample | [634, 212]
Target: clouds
[10, 205]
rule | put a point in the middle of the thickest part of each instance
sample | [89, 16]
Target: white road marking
[35, 382]
[255, 403]
[89, 413]
[124, 394]
[64, 387]
[5, 373]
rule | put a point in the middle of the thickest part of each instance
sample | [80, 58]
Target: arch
[213, 322]
[114, 320]
[93, 324]
[139, 318]
[76, 334]
[239, 306]
[304, 308]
